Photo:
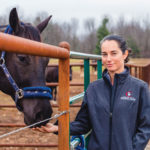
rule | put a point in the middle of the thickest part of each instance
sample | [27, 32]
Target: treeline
[136, 33]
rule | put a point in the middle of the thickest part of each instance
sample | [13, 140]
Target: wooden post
[63, 138]
[140, 73]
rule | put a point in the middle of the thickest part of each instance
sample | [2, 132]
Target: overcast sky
[64, 10]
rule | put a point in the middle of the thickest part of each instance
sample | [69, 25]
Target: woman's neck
[111, 74]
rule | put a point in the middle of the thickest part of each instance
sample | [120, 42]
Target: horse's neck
[5, 87]
[4, 84]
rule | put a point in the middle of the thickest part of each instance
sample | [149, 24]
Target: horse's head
[27, 71]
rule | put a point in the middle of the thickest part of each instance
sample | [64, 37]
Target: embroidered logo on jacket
[128, 96]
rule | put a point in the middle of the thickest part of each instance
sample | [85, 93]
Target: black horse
[27, 71]
[52, 75]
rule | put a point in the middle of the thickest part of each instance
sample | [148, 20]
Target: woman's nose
[108, 57]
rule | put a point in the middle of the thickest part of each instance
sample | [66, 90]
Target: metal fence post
[86, 73]
[99, 69]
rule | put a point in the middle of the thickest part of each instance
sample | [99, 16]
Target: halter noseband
[26, 92]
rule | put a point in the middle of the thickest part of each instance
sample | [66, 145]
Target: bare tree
[136, 33]
[89, 41]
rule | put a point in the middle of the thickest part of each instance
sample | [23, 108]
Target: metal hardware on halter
[19, 94]
[2, 61]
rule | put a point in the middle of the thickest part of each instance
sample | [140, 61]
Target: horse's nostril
[40, 117]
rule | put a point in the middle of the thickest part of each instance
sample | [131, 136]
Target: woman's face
[112, 56]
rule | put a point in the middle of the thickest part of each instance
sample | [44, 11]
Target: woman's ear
[125, 55]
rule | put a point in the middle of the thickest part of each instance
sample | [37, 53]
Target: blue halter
[26, 92]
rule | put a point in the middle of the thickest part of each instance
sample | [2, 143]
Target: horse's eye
[23, 59]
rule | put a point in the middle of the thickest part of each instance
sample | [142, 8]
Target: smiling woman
[114, 54]
[116, 108]
[112, 105]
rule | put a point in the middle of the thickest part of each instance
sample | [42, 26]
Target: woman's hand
[49, 128]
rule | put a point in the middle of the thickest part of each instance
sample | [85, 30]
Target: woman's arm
[81, 125]
[143, 121]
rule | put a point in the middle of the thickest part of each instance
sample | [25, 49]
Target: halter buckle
[19, 94]
[2, 61]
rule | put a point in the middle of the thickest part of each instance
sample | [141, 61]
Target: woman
[116, 107]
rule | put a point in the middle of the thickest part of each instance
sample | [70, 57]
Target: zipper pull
[110, 114]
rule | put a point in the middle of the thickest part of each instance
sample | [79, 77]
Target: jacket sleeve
[82, 124]
[142, 135]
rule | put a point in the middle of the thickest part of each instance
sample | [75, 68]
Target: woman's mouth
[109, 65]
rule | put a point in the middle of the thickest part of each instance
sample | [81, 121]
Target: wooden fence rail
[15, 44]
[19, 45]
[140, 71]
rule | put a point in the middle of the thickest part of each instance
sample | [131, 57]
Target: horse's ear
[43, 24]
[14, 20]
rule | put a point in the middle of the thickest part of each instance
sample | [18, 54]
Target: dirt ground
[12, 115]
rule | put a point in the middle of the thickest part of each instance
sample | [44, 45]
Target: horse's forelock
[34, 33]
[31, 32]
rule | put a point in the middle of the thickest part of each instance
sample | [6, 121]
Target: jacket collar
[120, 78]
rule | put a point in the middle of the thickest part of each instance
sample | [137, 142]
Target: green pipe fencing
[76, 98]
[87, 57]
[86, 73]
[78, 55]
[79, 97]
[99, 69]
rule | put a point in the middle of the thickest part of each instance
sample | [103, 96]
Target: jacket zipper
[110, 124]
[113, 89]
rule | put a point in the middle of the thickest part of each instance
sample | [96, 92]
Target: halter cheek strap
[26, 92]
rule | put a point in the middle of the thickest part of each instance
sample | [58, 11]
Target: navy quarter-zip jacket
[118, 115]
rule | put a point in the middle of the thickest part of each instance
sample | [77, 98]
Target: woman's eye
[114, 53]
[104, 54]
